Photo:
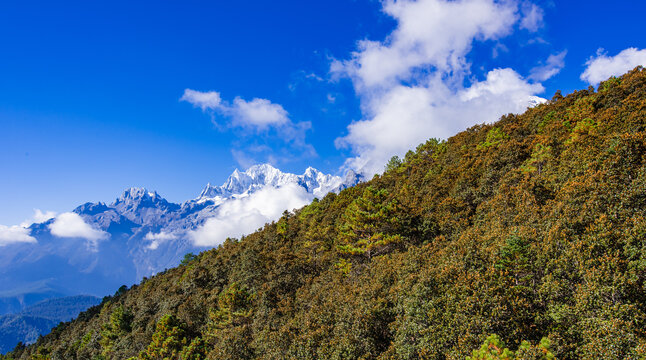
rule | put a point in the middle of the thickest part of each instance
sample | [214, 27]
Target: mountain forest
[521, 239]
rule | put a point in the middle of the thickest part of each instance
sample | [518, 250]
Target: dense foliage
[532, 228]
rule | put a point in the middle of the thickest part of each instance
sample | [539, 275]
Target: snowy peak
[210, 191]
[142, 206]
[91, 208]
[134, 194]
[259, 176]
[255, 177]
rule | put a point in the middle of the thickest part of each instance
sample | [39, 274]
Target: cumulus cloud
[203, 100]
[72, 225]
[532, 17]
[265, 120]
[158, 238]
[430, 34]
[257, 113]
[246, 214]
[407, 116]
[552, 66]
[15, 234]
[602, 66]
[416, 83]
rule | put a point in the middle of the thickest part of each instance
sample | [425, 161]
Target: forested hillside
[532, 228]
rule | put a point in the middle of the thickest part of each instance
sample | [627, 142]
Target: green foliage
[532, 228]
[609, 84]
[541, 154]
[494, 349]
[229, 324]
[121, 290]
[119, 324]
[370, 225]
[170, 341]
[343, 266]
[234, 308]
[514, 255]
[42, 353]
[546, 120]
[392, 164]
[494, 137]
[188, 257]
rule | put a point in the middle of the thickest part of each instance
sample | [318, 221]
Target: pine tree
[370, 225]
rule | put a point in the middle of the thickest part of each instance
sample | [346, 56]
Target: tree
[540, 155]
[370, 225]
[393, 163]
[515, 260]
[120, 323]
[170, 341]
[233, 307]
[494, 349]
[187, 259]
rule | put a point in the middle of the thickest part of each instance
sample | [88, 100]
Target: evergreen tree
[370, 226]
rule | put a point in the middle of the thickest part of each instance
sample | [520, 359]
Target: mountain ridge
[36, 320]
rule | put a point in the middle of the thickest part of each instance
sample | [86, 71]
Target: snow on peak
[259, 176]
[535, 101]
[136, 193]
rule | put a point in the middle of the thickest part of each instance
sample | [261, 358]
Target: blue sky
[90, 91]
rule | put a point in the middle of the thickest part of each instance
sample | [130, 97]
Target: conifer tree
[370, 225]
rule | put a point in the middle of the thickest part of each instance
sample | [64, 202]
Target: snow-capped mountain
[260, 176]
[142, 233]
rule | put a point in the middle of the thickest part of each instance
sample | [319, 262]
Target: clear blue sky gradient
[89, 90]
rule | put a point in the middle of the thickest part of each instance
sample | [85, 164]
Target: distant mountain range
[38, 319]
[141, 233]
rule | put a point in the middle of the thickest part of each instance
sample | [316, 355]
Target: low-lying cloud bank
[15, 234]
[244, 215]
[21, 233]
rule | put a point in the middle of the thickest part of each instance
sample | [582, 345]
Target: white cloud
[433, 34]
[72, 225]
[416, 83]
[21, 233]
[532, 17]
[159, 238]
[552, 66]
[602, 66]
[407, 116]
[203, 100]
[257, 113]
[244, 215]
[258, 117]
[15, 234]
[39, 217]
